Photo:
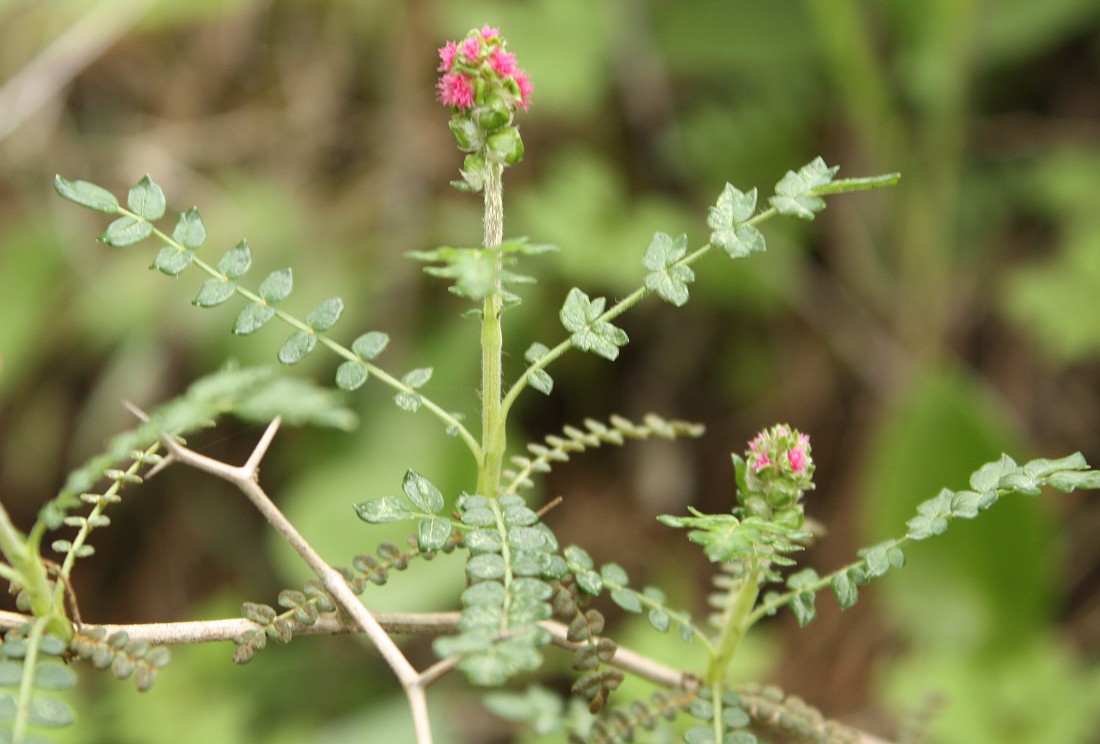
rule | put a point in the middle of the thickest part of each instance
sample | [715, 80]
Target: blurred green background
[914, 332]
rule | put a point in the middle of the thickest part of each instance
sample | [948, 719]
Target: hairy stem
[493, 433]
[736, 623]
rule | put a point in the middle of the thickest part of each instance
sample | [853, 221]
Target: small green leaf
[846, 591]
[126, 231]
[1073, 479]
[659, 619]
[700, 734]
[486, 567]
[418, 377]
[214, 292]
[422, 493]
[237, 261]
[325, 315]
[147, 199]
[580, 315]
[86, 195]
[732, 208]
[171, 260]
[53, 675]
[613, 573]
[432, 533]
[877, 561]
[407, 401]
[539, 379]
[370, 345]
[190, 232]
[50, 712]
[385, 509]
[252, 318]
[627, 599]
[297, 347]
[794, 192]
[803, 607]
[578, 557]
[351, 375]
[666, 278]
[277, 285]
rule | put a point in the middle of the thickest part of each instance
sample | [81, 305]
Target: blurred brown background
[915, 333]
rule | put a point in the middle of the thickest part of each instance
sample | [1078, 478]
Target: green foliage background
[914, 332]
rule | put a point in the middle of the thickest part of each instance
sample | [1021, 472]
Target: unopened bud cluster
[482, 84]
[778, 468]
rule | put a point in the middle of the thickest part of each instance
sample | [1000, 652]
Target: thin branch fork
[246, 479]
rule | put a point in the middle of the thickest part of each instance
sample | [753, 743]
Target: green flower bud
[494, 114]
[468, 135]
[505, 146]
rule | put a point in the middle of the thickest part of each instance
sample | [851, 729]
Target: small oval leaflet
[237, 261]
[351, 375]
[190, 232]
[422, 493]
[252, 318]
[171, 260]
[126, 231]
[86, 195]
[146, 198]
[385, 509]
[277, 285]
[297, 347]
[370, 345]
[214, 292]
[325, 315]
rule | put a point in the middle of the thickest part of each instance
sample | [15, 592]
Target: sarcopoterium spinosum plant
[524, 593]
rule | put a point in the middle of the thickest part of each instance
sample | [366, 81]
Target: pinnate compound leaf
[539, 379]
[370, 345]
[146, 199]
[214, 292]
[668, 279]
[325, 315]
[277, 285]
[580, 315]
[237, 261]
[422, 493]
[385, 509]
[86, 195]
[190, 232]
[171, 260]
[297, 347]
[254, 317]
[351, 375]
[126, 231]
[794, 193]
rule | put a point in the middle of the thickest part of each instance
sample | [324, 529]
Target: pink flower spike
[488, 32]
[447, 54]
[525, 88]
[471, 48]
[503, 63]
[455, 90]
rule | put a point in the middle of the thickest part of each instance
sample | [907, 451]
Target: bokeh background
[915, 332]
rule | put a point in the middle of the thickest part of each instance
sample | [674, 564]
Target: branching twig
[246, 479]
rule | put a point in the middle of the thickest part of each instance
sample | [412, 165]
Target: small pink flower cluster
[479, 63]
[764, 452]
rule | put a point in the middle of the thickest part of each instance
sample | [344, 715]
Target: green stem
[493, 415]
[737, 623]
[26, 684]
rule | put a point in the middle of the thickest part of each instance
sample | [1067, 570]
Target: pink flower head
[760, 462]
[455, 90]
[525, 88]
[471, 48]
[797, 458]
[489, 33]
[447, 54]
[503, 63]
